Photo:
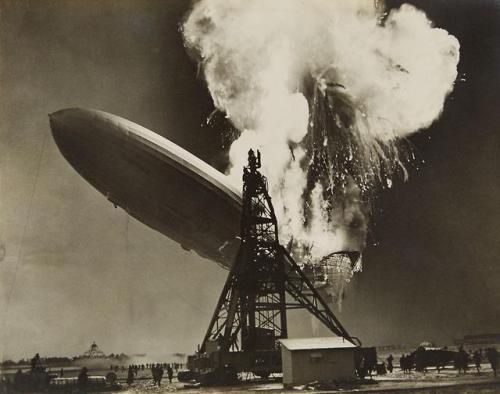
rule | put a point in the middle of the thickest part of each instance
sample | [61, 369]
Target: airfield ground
[446, 381]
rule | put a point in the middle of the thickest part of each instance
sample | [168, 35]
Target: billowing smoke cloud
[326, 90]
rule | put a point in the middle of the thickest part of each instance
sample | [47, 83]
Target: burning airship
[333, 128]
[153, 179]
[164, 186]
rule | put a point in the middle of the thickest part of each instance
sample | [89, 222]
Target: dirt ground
[446, 381]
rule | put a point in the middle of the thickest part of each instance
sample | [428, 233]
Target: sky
[73, 269]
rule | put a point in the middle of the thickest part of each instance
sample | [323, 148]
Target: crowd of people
[461, 360]
[157, 372]
[138, 367]
[419, 360]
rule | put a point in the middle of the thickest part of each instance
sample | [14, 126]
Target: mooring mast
[250, 316]
[252, 305]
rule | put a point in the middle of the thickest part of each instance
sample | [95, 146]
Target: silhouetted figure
[154, 373]
[35, 361]
[130, 375]
[461, 360]
[477, 360]
[492, 356]
[159, 371]
[465, 360]
[170, 373]
[61, 373]
[390, 367]
[402, 362]
[83, 377]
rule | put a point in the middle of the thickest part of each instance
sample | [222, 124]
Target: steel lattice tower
[252, 305]
[251, 312]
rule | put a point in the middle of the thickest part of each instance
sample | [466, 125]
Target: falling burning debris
[327, 91]
[333, 273]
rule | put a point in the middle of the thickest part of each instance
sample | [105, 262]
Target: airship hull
[154, 180]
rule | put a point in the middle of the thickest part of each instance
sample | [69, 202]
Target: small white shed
[305, 360]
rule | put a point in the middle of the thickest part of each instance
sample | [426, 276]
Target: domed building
[94, 357]
[93, 352]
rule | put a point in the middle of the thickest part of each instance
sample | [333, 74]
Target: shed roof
[316, 343]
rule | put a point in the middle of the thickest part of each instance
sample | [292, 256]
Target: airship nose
[58, 119]
[66, 115]
[54, 117]
[69, 127]
[72, 132]
[57, 122]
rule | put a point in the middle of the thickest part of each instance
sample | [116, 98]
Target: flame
[327, 91]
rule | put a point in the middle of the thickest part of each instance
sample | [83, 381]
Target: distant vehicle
[432, 357]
